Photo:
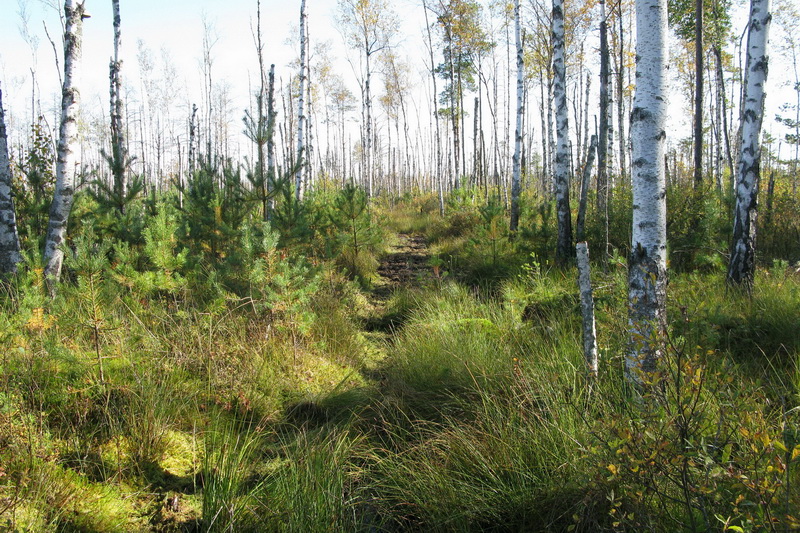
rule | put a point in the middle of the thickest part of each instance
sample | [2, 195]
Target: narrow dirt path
[407, 262]
[405, 266]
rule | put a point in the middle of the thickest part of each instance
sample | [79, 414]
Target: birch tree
[587, 308]
[368, 26]
[67, 158]
[301, 118]
[602, 141]
[438, 138]
[561, 169]
[647, 275]
[118, 157]
[9, 239]
[741, 268]
[515, 180]
[698, 94]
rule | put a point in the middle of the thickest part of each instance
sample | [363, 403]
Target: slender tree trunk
[564, 249]
[9, 239]
[476, 145]
[587, 176]
[551, 142]
[741, 269]
[724, 101]
[602, 141]
[623, 140]
[118, 153]
[271, 116]
[587, 308]
[261, 126]
[193, 139]
[454, 118]
[648, 262]
[308, 149]
[67, 159]
[698, 95]
[586, 133]
[438, 141]
[368, 120]
[515, 180]
[301, 117]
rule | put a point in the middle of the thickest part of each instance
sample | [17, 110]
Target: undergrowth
[230, 384]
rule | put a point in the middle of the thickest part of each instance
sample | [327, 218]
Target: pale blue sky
[176, 25]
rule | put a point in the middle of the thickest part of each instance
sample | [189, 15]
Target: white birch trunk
[647, 276]
[118, 155]
[271, 114]
[301, 118]
[9, 239]
[515, 180]
[561, 166]
[587, 308]
[743, 250]
[587, 176]
[67, 158]
[602, 143]
[368, 120]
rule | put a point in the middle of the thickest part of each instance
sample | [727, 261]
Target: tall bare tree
[119, 154]
[742, 266]
[698, 95]
[647, 275]
[602, 140]
[67, 159]
[368, 26]
[301, 117]
[438, 138]
[517, 163]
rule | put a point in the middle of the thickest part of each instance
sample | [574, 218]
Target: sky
[177, 27]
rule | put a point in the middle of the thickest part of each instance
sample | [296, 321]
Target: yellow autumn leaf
[613, 469]
[36, 321]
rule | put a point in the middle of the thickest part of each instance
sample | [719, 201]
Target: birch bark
[587, 176]
[564, 248]
[602, 142]
[271, 114]
[118, 155]
[743, 250]
[698, 95]
[301, 118]
[9, 239]
[515, 180]
[587, 308]
[67, 158]
[647, 275]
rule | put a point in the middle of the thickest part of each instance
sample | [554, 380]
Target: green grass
[308, 405]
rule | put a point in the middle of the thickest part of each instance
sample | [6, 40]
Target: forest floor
[404, 266]
[444, 393]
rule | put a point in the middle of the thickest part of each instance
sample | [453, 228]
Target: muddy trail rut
[405, 265]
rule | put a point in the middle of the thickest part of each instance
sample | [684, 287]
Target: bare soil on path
[406, 265]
